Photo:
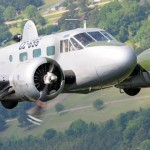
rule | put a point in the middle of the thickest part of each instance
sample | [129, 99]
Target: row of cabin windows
[36, 53]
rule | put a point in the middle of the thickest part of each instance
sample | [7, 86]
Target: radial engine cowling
[28, 79]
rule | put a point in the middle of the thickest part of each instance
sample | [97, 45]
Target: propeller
[48, 79]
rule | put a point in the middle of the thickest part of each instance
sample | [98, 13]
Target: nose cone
[125, 59]
[116, 64]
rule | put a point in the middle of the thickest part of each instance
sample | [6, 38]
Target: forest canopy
[129, 131]
[20, 4]
[127, 20]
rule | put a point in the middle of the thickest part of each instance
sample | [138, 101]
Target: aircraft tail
[29, 31]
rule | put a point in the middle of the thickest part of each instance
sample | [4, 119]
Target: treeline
[10, 10]
[126, 20]
[130, 131]
[20, 4]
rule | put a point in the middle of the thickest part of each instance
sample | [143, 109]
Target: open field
[47, 5]
[15, 30]
[78, 106]
[51, 2]
[50, 17]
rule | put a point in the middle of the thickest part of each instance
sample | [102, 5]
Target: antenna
[84, 22]
[80, 19]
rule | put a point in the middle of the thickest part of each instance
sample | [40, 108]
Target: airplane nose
[118, 64]
[125, 59]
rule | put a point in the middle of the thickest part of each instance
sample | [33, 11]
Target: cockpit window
[77, 46]
[98, 36]
[84, 38]
[108, 36]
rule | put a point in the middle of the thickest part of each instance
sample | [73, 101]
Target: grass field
[49, 21]
[51, 2]
[53, 18]
[47, 5]
[15, 30]
[115, 103]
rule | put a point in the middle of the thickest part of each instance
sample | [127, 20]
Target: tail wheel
[9, 104]
[132, 92]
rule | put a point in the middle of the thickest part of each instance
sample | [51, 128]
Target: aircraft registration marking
[29, 44]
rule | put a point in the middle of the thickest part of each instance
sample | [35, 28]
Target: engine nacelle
[28, 79]
[17, 38]
[139, 78]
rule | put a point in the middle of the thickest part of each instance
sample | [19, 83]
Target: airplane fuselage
[97, 64]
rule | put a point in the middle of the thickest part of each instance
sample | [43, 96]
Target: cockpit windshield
[98, 36]
[81, 40]
[84, 38]
[93, 36]
[108, 36]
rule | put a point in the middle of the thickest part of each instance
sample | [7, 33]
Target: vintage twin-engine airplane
[38, 69]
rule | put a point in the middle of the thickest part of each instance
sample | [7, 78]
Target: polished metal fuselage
[97, 65]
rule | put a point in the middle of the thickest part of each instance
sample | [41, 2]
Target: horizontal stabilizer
[29, 31]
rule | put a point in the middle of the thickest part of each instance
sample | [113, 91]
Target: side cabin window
[50, 50]
[10, 58]
[64, 46]
[36, 53]
[23, 56]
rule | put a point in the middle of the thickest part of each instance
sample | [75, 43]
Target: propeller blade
[39, 108]
[49, 78]
[51, 68]
[43, 94]
[34, 120]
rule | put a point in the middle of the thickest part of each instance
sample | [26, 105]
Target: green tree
[98, 104]
[59, 107]
[20, 4]
[2, 122]
[111, 17]
[31, 12]
[77, 128]
[145, 145]
[131, 129]
[9, 13]
[48, 30]
[93, 18]
[49, 134]
[1, 14]
[122, 120]
[40, 20]
[6, 36]
[123, 34]
[72, 14]
[83, 6]
[143, 35]
[92, 127]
